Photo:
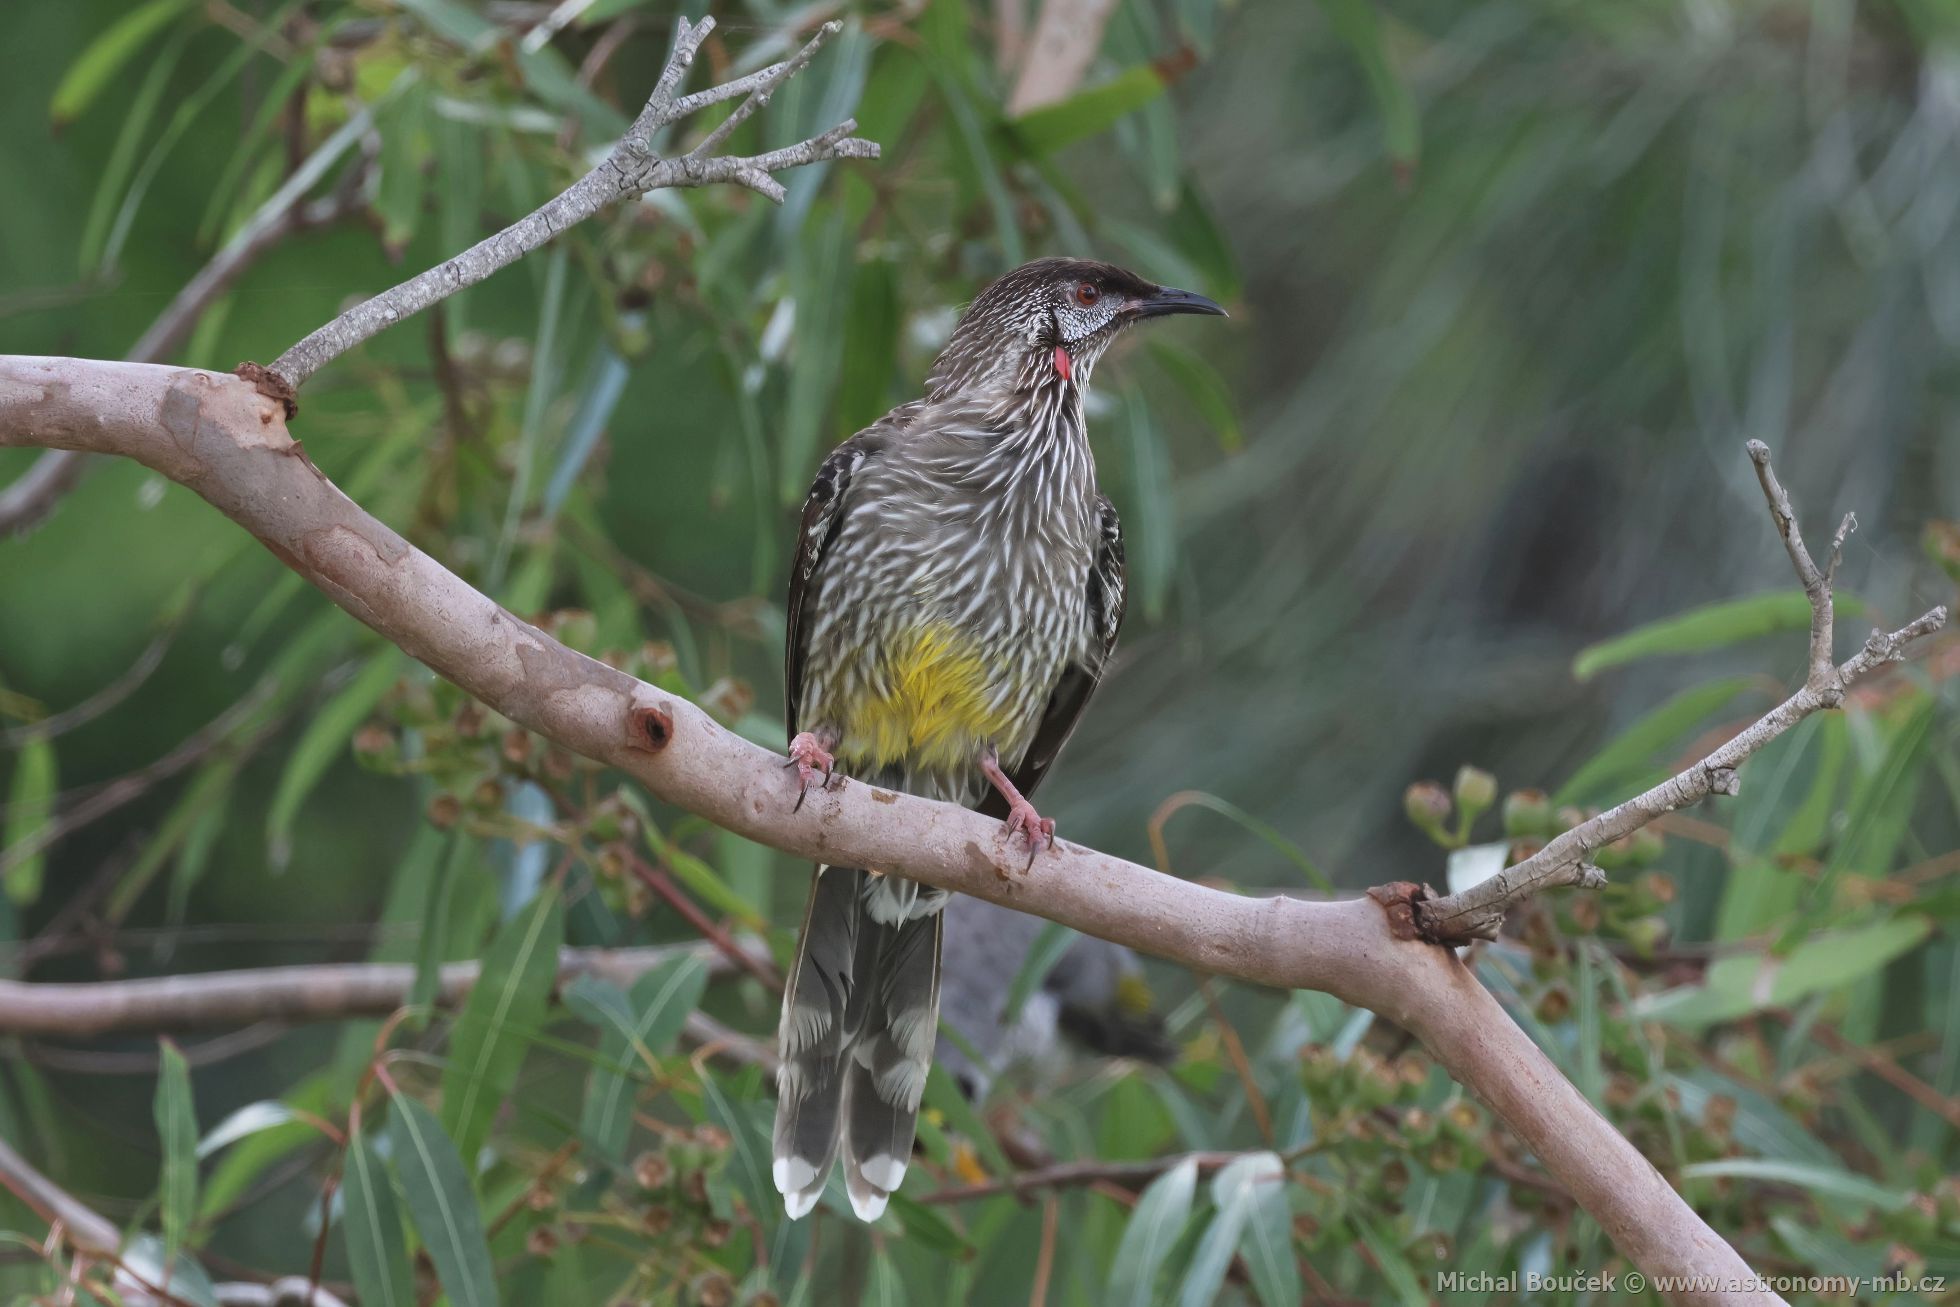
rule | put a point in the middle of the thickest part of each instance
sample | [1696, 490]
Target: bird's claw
[808, 755]
[1039, 830]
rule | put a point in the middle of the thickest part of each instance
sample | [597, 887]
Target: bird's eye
[1086, 294]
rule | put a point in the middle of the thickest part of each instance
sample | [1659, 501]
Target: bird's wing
[823, 513]
[1080, 678]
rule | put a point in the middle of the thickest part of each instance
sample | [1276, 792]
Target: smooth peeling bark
[220, 437]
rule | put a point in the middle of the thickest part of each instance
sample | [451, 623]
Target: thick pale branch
[630, 169]
[1477, 912]
[217, 435]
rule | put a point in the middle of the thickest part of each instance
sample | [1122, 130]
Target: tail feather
[887, 1074]
[860, 1017]
[814, 1042]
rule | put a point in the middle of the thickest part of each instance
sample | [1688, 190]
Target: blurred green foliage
[1516, 280]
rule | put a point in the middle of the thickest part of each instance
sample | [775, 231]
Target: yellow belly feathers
[935, 714]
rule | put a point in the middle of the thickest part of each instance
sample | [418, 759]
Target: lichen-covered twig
[630, 169]
[1477, 912]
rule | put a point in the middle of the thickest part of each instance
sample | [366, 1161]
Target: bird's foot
[811, 758]
[1040, 830]
[1021, 815]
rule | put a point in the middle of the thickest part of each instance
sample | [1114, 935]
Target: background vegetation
[1511, 283]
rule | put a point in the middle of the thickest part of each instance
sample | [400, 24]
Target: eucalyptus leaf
[1154, 1228]
[441, 1205]
[505, 1008]
[176, 1122]
[1711, 626]
[377, 1254]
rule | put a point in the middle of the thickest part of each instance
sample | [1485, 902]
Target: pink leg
[809, 753]
[1021, 815]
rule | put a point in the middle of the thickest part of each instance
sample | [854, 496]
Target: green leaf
[1154, 1229]
[407, 145]
[176, 1122]
[253, 1154]
[432, 945]
[1391, 1261]
[692, 872]
[209, 788]
[884, 1288]
[99, 62]
[1235, 1193]
[1741, 984]
[1044, 951]
[1881, 805]
[322, 743]
[1804, 1175]
[1267, 1244]
[1358, 24]
[1633, 752]
[249, 1120]
[973, 159]
[377, 1254]
[1205, 389]
[1151, 523]
[642, 1023]
[187, 1282]
[1088, 113]
[821, 275]
[30, 807]
[113, 181]
[441, 1206]
[925, 1227]
[944, 1097]
[750, 1164]
[1712, 626]
[503, 1010]
[864, 383]
[1774, 817]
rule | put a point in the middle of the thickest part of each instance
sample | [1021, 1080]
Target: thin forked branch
[1477, 912]
[629, 170]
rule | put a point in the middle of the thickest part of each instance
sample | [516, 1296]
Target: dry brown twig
[227, 440]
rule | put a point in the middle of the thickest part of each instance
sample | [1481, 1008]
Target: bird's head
[1051, 318]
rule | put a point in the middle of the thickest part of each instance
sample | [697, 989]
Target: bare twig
[125, 684]
[286, 995]
[213, 736]
[1077, 1175]
[657, 880]
[1477, 912]
[221, 437]
[629, 170]
[26, 501]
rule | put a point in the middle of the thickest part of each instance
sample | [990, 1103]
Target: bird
[955, 592]
[1095, 999]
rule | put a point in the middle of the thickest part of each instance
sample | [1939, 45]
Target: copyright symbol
[1635, 1282]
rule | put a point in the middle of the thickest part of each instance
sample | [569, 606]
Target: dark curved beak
[1165, 300]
